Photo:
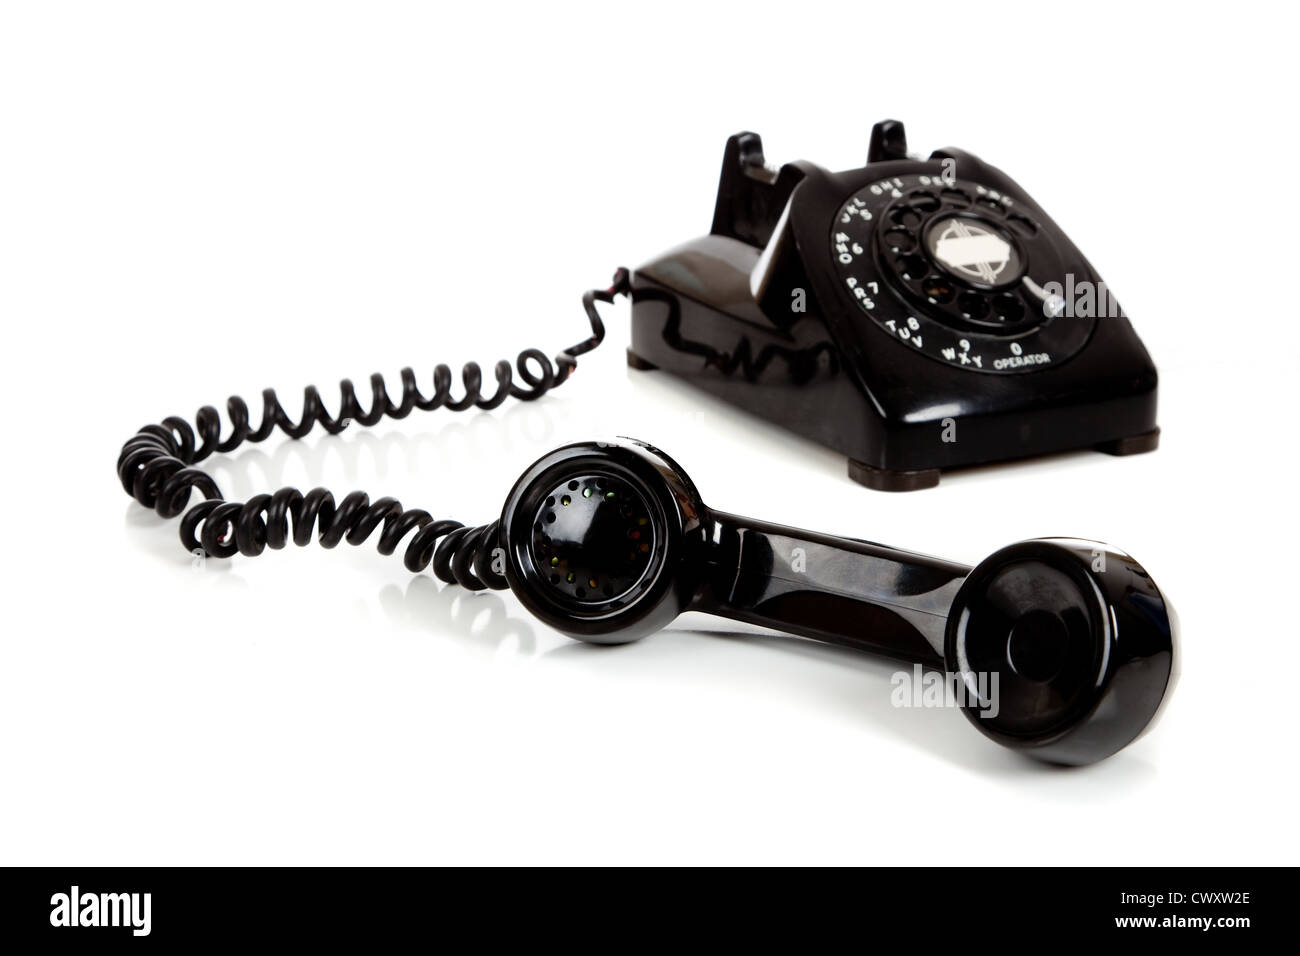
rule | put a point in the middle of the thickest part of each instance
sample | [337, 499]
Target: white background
[197, 200]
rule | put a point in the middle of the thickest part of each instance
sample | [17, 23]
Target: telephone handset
[609, 541]
[1065, 648]
[916, 315]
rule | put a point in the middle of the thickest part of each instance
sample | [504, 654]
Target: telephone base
[860, 310]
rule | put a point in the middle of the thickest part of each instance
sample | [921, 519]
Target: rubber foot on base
[637, 362]
[1133, 445]
[884, 479]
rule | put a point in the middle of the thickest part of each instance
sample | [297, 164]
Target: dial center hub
[974, 251]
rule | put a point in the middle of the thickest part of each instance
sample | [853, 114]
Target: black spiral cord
[156, 467]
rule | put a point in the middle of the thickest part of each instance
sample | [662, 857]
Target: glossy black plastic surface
[1066, 646]
[855, 593]
[1081, 639]
[820, 301]
[622, 558]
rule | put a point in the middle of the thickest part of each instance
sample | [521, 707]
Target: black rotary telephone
[1064, 648]
[915, 314]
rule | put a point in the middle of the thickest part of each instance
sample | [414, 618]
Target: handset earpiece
[1065, 647]
[1081, 639]
[604, 540]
